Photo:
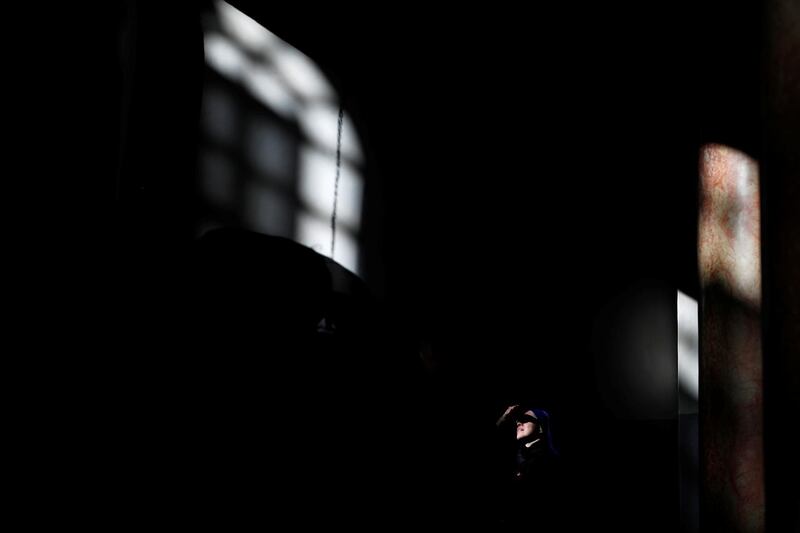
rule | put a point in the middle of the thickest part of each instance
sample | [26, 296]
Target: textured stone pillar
[731, 387]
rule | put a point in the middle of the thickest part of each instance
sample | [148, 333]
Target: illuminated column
[731, 388]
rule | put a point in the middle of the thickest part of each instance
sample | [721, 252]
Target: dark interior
[529, 172]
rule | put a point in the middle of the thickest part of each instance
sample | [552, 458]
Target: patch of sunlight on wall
[319, 122]
[688, 342]
[317, 189]
[249, 33]
[315, 233]
[291, 194]
[730, 234]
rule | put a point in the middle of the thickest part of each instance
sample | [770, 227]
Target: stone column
[731, 387]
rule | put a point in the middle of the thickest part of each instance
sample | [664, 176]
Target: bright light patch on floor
[317, 183]
[320, 123]
[316, 234]
[688, 340]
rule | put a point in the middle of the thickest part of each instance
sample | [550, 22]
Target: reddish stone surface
[731, 386]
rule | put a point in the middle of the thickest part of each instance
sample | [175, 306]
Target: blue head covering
[543, 427]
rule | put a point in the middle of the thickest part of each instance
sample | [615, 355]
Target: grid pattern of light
[274, 172]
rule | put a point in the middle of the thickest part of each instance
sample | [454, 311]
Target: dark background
[537, 172]
[525, 173]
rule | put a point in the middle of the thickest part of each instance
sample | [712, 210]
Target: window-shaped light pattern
[270, 134]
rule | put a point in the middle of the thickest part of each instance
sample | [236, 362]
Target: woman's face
[526, 425]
